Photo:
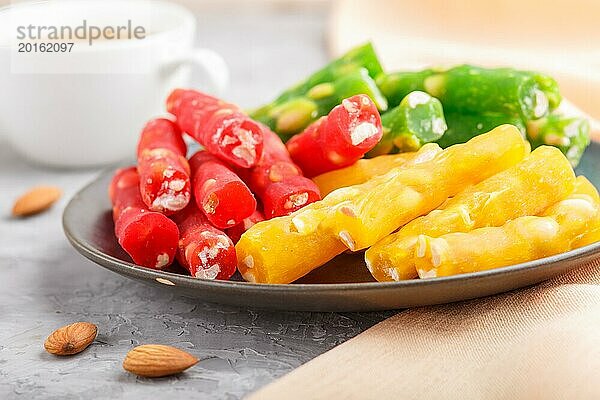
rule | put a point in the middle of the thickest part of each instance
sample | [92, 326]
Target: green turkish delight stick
[292, 116]
[359, 57]
[397, 85]
[474, 90]
[550, 88]
[351, 84]
[418, 119]
[464, 127]
[570, 134]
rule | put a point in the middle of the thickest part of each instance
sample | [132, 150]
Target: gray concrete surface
[45, 284]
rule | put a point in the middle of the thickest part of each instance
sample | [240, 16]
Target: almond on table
[157, 360]
[36, 200]
[71, 339]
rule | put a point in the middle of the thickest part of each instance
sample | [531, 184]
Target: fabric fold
[538, 342]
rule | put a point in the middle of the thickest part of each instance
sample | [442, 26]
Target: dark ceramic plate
[343, 285]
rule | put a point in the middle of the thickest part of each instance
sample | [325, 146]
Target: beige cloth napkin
[541, 342]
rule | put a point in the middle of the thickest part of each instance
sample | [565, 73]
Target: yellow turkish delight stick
[273, 251]
[284, 249]
[359, 172]
[389, 201]
[592, 236]
[584, 187]
[520, 240]
[364, 169]
[528, 188]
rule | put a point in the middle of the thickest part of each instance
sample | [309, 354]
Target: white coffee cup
[86, 107]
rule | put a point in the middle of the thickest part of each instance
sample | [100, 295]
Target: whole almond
[156, 360]
[71, 339]
[36, 200]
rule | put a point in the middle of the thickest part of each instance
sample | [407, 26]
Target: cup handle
[210, 62]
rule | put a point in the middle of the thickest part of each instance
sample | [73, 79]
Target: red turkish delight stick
[236, 232]
[277, 181]
[222, 128]
[274, 166]
[204, 251]
[289, 195]
[150, 238]
[340, 139]
[306, 149]
[219, 192]
[163, 168]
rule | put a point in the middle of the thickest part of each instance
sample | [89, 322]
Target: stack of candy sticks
[193, 210]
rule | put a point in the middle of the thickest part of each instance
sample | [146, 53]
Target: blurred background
[269, 44]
